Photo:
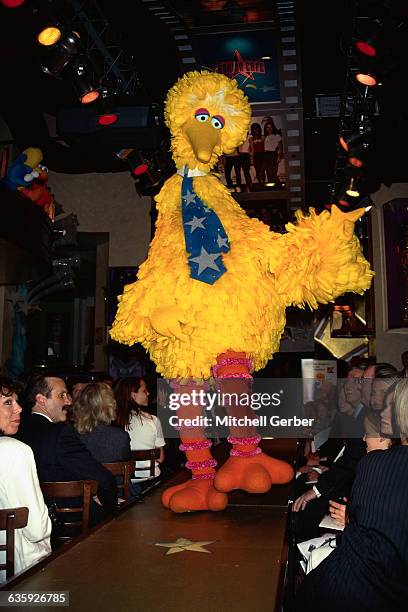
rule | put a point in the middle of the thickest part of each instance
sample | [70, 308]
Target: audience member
[404, 361]
[368, 570]
[93, 413]
[77, 388]
[59, 453]
[337, 481]
[348, 422]
[19, 486]
[144, 429]
[385, 377]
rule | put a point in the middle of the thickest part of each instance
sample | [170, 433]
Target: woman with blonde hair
[94, 411]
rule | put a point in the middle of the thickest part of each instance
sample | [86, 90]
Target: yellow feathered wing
[320, 258]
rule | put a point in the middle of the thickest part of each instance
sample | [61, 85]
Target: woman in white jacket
[19, 486]
[144, 429]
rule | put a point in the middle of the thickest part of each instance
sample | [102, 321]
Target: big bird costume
[210, 301]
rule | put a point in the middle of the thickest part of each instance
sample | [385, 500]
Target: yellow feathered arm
[321, 259]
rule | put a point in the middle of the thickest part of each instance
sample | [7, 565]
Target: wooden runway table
[119, 567]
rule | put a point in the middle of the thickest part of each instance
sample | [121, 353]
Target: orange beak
[203, 138]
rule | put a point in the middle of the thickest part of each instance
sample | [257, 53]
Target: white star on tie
[206, 260]
[222, 242]
[189, 197]
[196, 223]
[207, 210]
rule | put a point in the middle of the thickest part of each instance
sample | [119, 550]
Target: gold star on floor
[183, 544]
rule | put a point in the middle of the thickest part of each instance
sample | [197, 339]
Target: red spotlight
[355, 161]
[366, 48]
[108, 119]
[140, 169]
[12, 3]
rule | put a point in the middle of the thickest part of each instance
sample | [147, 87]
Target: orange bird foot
[252, 474]
[194, 495]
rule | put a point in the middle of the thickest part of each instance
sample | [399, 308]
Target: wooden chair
[151, 454]
[125, 469]
[76, 488]
[11, 519]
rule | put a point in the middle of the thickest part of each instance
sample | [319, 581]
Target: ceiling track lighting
[58, 56]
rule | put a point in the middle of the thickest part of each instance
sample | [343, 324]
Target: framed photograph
[259, 163]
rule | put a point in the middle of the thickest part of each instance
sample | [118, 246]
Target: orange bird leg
[197, 493]
[247, 468]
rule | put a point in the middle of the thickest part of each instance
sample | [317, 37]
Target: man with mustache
[59, 453]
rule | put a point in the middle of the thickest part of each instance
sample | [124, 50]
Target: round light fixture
[49, 36]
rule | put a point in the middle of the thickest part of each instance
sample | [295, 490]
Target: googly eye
[218, 122]
[202, 115]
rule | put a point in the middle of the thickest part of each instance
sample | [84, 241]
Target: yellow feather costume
[184, 323]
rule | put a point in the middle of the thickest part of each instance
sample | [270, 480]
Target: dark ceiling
[323, 26]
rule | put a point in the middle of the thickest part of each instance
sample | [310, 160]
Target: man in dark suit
[59, 453]
[336, 483]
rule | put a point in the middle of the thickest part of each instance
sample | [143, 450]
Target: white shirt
[145, 433]
[272, 141]
[19, 486]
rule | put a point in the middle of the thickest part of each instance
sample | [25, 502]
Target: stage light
[89, 97]
[141, 169]
[357, 142]
[366, 70]
[84, 84]
[108, 119]
[60, 55]
[352, 190]
[366, 78]
[149, 169]
[343, 142]
[150, 182]
[49, 36]
[107, 114]
[366, 48]
[12, 3]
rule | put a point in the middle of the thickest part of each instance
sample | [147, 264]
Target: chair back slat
[85, 489]
[151, 454]
[125, 469]
[11, 519]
